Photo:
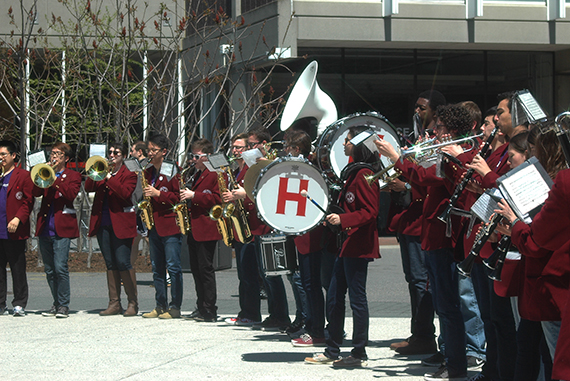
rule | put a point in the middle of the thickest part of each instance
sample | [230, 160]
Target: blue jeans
[55, 254]
[310, 269]
[350, 275]
[248, 275]
[116, 251]
[302, 312]
[474, 328]
[165, 254]
[444, 285]
[551, 329]
[416, 275]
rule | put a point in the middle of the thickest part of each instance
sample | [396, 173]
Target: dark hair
[299, 139]
[492, 111]
[519, 143]
[141, 146]
[533, 135]
[203, 145]
[160, 141]
[361, 153]
[238, 137]
[121, 147]
[507, 95]
[549, 153]
[434, 97]
[455, 118]
[474, 111]
[261, 134]
[9, 145]
[63, 147]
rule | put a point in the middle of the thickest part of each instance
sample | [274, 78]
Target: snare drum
[330, 150]
[277, 195]
[278, 254]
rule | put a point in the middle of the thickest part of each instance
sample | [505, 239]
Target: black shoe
[51, 313]
[475, 363]
[349, 362]
[418, 347]
[271, 324]
[194, 314]
[443, 374]
[206, 319]
[294, 327]
[62, 312]
[435, 360]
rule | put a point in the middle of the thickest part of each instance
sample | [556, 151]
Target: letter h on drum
[283, 196]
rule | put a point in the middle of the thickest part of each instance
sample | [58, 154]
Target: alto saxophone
[237, 213]
[145, 206]
[181, 209]
[217, 214]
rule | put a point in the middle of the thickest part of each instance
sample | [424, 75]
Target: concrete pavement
[86, 346]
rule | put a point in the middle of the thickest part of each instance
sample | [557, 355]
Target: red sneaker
[307, 341]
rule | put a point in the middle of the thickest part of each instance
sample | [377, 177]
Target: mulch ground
[78, 263]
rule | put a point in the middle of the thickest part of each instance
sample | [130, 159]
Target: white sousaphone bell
[308, 100]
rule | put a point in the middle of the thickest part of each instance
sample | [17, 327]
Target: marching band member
[453, 120]
[360, 202]
[139, 152]
[246, 258]
[203, 194]
[16, 203]
[56, 226]
[164, 237]
[113, 221]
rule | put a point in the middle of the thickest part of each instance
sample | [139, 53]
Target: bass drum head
[330, 148]
[278, 197]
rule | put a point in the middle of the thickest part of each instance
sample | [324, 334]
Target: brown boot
[114, 284]
[130, 284]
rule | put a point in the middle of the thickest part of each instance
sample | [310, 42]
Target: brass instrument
[217, 214]
[97, 168]
[271, 154]
[2, 171]
[237, 214]
[382, 175]
[181, 209]
[425, 151]
[145, 205]
[43, 175]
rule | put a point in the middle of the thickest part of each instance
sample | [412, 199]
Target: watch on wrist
[407, 186]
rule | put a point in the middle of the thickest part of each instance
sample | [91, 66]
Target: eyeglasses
[56, 153]
[252, 144]
[347, 140]
[116, 153]
[238, 148]
[153, 150]
[4, 154]
[195, 156]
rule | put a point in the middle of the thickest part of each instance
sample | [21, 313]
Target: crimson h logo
[283, 196]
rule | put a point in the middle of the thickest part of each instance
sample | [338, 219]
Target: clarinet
[446, 215]
[466, 265]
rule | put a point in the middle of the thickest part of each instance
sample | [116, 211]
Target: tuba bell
[43, 175]
[308, 100]
[97, 168]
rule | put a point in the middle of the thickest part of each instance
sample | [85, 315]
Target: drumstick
[304, 193]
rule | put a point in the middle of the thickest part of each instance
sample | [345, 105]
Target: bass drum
[278, 195]
[330, 150]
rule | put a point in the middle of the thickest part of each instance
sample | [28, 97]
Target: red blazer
[162, 206]
[409, 221]
[207, 194]
[547, 277]
[550, 229]
[256, 226]
[360, 203]
[119, 189]
[20, 202]
[61, 194]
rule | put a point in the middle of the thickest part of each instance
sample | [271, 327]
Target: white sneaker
[19, 311]
[4, 311]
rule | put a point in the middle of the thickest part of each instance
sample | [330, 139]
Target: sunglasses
[197, 156]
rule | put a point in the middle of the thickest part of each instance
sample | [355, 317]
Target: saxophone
[237, 214]
[217, 214]
[145, 206]
[181, 209]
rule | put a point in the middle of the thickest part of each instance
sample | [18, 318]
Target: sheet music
[532, 108]
[37, 158]
[97, 149]
[485, 205]
[218, 160]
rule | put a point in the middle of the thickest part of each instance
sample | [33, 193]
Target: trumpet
[271, 154]
[382, 175]
[426, 151]
[43, 175]
[97, 168]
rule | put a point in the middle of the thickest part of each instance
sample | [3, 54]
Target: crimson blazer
[20, 202]
[207, 194]
[360, 202]
[163, 205]
[256, 225]
[550, 229]
[119, 189]
[61, 194]
[409, 221]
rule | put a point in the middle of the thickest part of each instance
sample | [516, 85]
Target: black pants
[14, 253]
[202, 267]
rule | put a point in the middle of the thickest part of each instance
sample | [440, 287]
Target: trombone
[382, 175]
[43, 175]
